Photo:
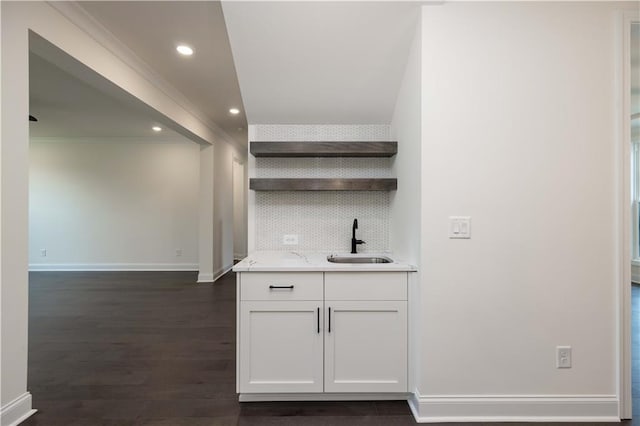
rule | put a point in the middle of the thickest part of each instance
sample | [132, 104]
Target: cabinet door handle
[329, 330]
[318, 320]
[288, 287]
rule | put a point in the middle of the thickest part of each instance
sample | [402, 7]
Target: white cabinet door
[365, 346]
[281, 346]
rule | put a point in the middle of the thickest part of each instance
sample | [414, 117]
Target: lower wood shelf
[262, 184]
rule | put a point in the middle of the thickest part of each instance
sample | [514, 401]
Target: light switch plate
[459, 226]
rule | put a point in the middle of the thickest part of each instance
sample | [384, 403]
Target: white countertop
[273, 261]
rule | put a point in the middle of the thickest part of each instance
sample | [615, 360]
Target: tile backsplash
[320, 132]
[321, 219]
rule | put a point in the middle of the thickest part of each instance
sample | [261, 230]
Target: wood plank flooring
[153, 348]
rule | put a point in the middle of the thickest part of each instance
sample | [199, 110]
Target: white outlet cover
[290, 239]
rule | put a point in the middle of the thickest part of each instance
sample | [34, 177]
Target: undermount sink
[359, 259]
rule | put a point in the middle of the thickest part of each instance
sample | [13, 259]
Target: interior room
[366, 212]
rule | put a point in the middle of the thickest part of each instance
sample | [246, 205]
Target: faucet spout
[354, 240]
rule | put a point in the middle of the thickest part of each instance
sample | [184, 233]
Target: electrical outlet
[290, 240]
[178, 252]
[563, 356]
[43, 252]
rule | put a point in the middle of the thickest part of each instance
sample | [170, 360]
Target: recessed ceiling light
[185, 50]
[234, 111]
[156, 128]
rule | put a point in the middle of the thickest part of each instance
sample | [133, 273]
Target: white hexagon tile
[321, 219]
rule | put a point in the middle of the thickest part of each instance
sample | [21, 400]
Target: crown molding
[110, 139]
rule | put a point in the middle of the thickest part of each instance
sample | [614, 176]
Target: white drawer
[365, 285]
[281, 286]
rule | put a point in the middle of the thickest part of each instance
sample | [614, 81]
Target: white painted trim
[514, 408]
[113, 267]
[160, 139]
[17, 410]
[220, 272]
[262, 397]
[623, 201]
[205, 278]
[211, 278]
[87, 23]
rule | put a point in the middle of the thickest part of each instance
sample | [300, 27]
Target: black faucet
[354, 241]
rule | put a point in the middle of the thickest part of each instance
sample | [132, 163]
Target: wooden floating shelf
[324, 149]
[259, 184]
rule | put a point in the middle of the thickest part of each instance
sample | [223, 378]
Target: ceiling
[152, 30]
[68, 107]
[320, 62]
[297, 62]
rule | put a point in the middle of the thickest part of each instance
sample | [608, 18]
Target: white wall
[405, 211]
[223, 211]
[239, 211]
[518, 107]
[406, 128]
[17, 19]
[113, 204]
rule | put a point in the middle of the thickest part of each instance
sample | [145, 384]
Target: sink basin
[359, 259]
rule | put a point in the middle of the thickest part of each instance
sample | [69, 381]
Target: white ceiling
[297, 62]
[152, 29]
[320, 62]
[68, 107]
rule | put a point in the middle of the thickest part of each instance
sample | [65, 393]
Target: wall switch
[459, 226]
[563, 356]
[178, 252]
[290, 240]
[43, 252]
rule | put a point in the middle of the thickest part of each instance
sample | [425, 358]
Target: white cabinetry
[366, 337]
[313, 332]
[280, 339]
[281, 347]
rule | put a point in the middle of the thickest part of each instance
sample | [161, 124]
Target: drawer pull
[287, 287]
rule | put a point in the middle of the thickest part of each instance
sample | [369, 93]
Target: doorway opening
[239, 218]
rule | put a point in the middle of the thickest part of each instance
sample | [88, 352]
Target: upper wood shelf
[324, 149]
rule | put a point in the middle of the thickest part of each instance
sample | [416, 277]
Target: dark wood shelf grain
[324, 149]
[261, 184]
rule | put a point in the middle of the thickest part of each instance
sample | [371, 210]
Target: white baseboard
[113, 267]
[205, 277]
[519, 408]
[17, 410]
[210, 278]
[220, 272]
[264, 397]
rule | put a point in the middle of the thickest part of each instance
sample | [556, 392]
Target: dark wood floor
[153, 348]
